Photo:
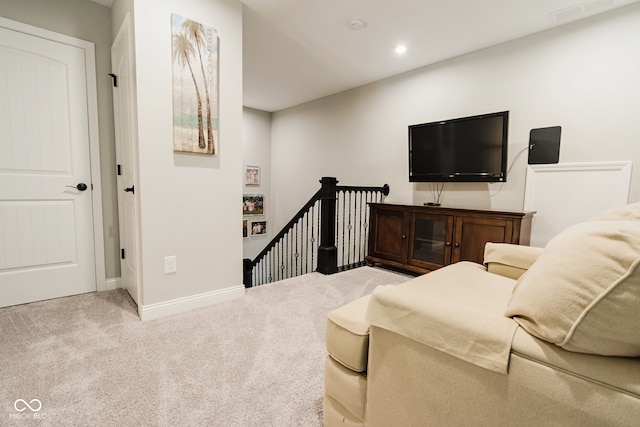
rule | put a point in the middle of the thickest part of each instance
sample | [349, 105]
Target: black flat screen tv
[467, 149]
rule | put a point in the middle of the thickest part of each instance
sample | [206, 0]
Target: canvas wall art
[195, 86]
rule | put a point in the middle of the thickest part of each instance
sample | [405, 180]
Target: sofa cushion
[457, 309]
[346, 387]
[334, 414]
[347, 334]
[583, 292]
[509, 260]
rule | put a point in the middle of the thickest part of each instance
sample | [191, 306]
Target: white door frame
[94, 136]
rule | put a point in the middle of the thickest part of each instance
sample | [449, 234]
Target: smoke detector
[356, 23]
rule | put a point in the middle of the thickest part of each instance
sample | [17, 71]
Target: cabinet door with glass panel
[430, 244]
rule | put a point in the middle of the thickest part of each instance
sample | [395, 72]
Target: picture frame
[252, 175]
[245, 228]
[253, 204]
[258, 228]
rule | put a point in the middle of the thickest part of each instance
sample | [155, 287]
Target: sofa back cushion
[630, 212]
[583, 292]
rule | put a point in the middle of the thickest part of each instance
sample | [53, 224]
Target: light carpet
[254, 361]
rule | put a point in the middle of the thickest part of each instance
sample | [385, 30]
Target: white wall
[583, 77]
[189, 203]
[256, 146]
[92, 22]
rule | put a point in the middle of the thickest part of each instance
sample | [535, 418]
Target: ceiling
[299, 50]
[295, 51]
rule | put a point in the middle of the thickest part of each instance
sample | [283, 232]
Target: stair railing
[328, 234]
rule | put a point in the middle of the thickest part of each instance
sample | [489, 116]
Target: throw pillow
[630, 212]
[583, 292]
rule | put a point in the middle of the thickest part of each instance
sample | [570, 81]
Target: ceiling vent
[584, 9]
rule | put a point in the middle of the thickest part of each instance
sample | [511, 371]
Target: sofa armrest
[472, 334]
[509, 260]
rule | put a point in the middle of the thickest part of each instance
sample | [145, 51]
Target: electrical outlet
[170, 264]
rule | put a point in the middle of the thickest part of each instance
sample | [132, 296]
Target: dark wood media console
[424, 238]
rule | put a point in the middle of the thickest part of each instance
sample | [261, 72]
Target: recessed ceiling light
[356, 23]
[400, 49]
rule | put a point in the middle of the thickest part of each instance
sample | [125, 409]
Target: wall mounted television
[466, 149]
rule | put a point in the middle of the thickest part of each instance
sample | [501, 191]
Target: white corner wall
[582, 76]
[256, 142]
[190, 204]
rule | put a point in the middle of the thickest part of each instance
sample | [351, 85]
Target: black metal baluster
[368, 197]
[289, 265]
[311, 239]
[352, 230]
[339, 229]
[359, 229]
[279, 260]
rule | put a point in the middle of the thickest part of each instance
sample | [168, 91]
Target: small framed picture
[252, 204]
[258, 228]
[252, 175]
[245, 228]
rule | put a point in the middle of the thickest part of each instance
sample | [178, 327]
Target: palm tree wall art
[195, 86]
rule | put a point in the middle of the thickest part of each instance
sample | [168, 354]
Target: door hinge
[115, 79]
[122, 253]
[119, 168]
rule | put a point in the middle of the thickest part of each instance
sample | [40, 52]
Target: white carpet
[255, 361]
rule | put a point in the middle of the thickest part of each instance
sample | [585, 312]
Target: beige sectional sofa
[532, 337]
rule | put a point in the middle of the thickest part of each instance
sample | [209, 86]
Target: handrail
[384, 189]
[313, 200]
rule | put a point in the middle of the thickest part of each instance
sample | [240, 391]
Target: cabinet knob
[447, 244]
[404, 236]
[457, 245]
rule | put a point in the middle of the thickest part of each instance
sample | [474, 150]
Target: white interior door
[124, 120]
[46, 228]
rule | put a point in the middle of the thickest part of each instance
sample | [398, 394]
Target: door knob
[130, 189]
[81, 186]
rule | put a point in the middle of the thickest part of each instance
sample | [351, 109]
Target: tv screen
[467, 149]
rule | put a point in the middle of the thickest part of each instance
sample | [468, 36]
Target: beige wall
[582, 76]
[92, 22]
[187, 201]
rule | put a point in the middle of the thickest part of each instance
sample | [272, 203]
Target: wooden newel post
[247, 271]
[328, 252]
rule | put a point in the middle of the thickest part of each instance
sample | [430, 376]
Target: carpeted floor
[254, 361]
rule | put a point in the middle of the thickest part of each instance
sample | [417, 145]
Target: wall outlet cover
[170, 264]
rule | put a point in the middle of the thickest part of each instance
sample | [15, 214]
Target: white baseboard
[113, 283]
[110, 284]
[180, 305]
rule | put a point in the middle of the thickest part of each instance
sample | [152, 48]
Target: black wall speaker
[544, 145]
